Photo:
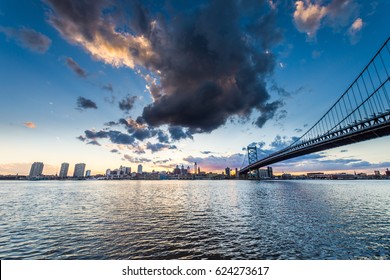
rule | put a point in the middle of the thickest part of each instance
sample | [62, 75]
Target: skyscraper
[139, 169]
[79, 169]
[64, 170]
[195, 168]
[270, 172]
[36, 169]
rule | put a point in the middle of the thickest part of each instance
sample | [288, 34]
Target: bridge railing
[366, 98]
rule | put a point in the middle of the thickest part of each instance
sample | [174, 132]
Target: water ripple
[195, 220]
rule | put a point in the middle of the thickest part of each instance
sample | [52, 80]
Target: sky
[166, 83]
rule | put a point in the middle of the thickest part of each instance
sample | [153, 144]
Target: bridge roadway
[376, 126]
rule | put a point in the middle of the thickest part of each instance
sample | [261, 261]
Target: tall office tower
[79, 169]
[127, 170]
[195, 168]
[227, 171]
[270, 172]
[139, 169]
[64, 170]
[123, 170]
[36, 169]
[88, 173]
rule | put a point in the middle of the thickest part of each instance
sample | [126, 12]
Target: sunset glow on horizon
[162, 84]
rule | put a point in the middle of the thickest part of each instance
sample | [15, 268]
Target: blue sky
[165, 83]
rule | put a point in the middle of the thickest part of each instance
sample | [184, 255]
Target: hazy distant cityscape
[181, 173]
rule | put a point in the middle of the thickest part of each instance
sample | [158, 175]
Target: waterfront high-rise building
[227, 171]
[195, 168]
[270, 172]
[176, 171]
[139, 169]
[123, 170]
[79, 169]
[64, 170]
[36, 169]
[88, 173]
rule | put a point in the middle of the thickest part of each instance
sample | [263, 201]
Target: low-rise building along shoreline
[206, 176]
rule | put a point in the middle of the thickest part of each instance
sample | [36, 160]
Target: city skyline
[79, 171]
[157, 84]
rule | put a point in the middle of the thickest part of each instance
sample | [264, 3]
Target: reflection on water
[195, 220]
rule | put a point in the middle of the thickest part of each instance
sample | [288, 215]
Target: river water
[195, 220]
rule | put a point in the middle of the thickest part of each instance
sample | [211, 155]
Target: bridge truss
[361, 113]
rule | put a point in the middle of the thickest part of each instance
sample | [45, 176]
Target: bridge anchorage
[361, 113]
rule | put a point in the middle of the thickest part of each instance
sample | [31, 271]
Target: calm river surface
[195, 220]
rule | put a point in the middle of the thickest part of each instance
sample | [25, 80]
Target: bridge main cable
[362, 112]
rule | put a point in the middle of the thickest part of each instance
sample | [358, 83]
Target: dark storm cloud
[94, 142]
[268, 111]
[115, 151]
[282, 114]
[127, 103]
[138, 149]
[159, 146]
[142, 134]
[111, 123]
[211, 60]
[102, 29]
[115, 137]
[81, 138]
[135, 159]
[76, 68]
[163, 161]
[84, 103]
[76, 16]
[118, 137]
[282, 92]
[162, 137]
[108, 87]
[28, 38]
[92, 134]
[221, 81]
[137, 130]
[178, 133]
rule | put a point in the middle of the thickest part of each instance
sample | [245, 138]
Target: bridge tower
[252, 158]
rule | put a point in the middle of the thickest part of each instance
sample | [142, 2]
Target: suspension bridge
[361, 113]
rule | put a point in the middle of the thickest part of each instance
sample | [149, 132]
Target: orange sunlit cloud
[30, 125]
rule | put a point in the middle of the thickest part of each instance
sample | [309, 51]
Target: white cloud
[357, 25]
[354, 30]
[308, 16]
